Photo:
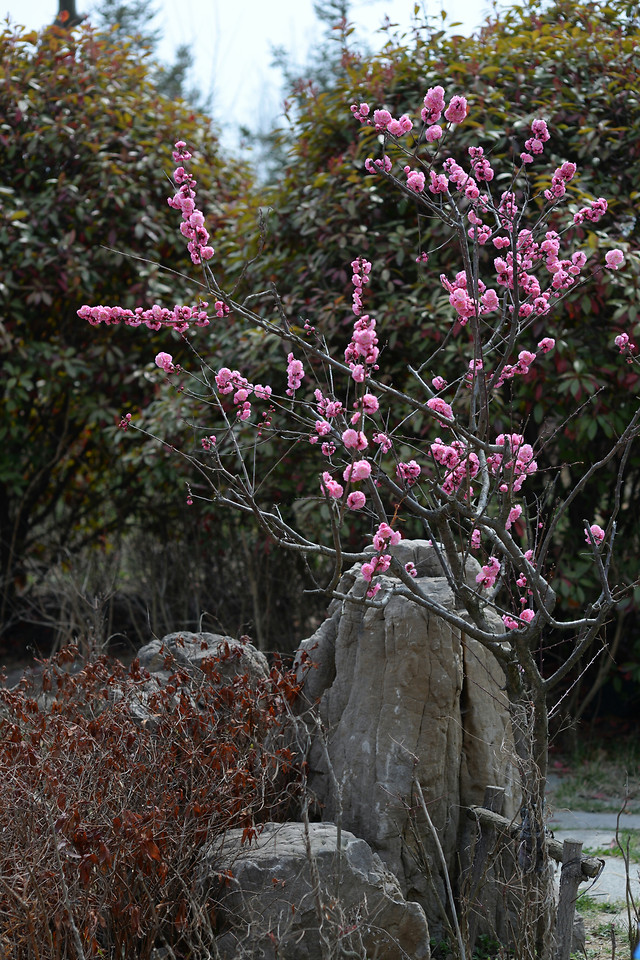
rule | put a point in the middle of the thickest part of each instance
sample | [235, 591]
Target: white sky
[232, 41]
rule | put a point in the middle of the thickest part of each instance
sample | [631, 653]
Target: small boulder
[286, 878]
[188, 650]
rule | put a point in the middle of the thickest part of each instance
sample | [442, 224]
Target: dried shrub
[112, 782]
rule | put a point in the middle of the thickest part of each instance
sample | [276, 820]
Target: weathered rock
[190, 649]
[187, 652]
[402, 694]
[279, 884]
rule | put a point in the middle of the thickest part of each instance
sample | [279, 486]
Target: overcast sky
[232, 41]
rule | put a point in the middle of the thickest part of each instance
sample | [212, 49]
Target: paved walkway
[597, 831]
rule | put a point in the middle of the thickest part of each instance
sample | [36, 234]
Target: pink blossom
[383, 441]
[525, 359]
[165, 362]
[360, 470]
[433, 105]
[439, 383]
[622, 341]
[514, 514]
[415, 179]
[489, 573]
[597, 533]
[331, 486]
[328, 449]
[614, 259]
[457, 110]
[361, 112]
[438, 405]
[539, 130]
[410, 567]
[439, 183]
[377, 565]
[323, 428]
[354, 439]
[489, 300]
[475, 538]
[370, 403]
[511, 624]
[386, 535]
[382, 119]
[295, 374]
[356, 500]
[433, 133]
[546, 344]
[408, 471]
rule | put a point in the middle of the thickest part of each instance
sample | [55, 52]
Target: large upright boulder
[401, 695]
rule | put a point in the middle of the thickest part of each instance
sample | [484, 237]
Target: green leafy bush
[82, 147]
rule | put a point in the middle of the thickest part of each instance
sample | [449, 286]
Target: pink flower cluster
[528, 254]
[165, 362]
[614, 259]
[409, 472]
[354, 439]
[331, 487]
[596, 532]
[559, 180]
[481, 167]
[463, 180]
[489, 573]
[361, 270]
[358, 470]
[535, 143]
[439, 406]
[192, 226]
[382, 120]
[377, 166]
[624, 345]
[180, 318]
[415, 179]
[231, 381]
[386, 536]
[295, 374]
[434, 106]
[592, 213]
[514, 514]
[461, 300]
[460, 464]
[517, 463]
[525, 616]
[362, 351]
[383, 538]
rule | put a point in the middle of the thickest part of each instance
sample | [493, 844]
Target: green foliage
[577, 65]
[85, 143]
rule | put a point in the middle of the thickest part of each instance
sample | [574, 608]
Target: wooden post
[570, 878]
[493, 801]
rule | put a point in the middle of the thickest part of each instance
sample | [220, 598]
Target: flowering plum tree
[382, 475]
[580, 63]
